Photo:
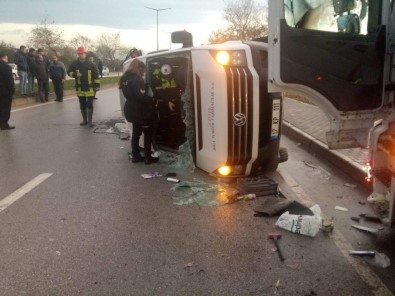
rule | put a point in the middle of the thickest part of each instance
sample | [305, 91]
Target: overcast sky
[136, 23]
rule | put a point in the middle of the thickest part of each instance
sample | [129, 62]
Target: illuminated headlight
[229, 171]
[231, 57]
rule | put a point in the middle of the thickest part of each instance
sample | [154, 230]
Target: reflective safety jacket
[89, 79]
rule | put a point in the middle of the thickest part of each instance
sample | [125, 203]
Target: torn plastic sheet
[202, 193]
[114, 127]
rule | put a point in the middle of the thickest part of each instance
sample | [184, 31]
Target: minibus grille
[240, 115]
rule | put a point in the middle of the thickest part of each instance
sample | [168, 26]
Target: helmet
[81, 49]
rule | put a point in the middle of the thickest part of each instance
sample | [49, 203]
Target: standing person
[41, 72]
[100, 68]
[57, 73]
[46, 60]
[30, 73]
[20, 60]
[7, 88]
[139, 110]
[87, 82]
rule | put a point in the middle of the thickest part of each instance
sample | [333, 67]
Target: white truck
[231, 122]
[340, 54]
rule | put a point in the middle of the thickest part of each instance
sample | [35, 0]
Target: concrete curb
[347, 165]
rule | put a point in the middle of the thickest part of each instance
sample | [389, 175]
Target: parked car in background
[14, 68]
[106, 71]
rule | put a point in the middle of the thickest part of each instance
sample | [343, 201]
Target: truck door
[333, 52]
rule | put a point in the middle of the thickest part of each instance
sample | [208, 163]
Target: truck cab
[339, 54]
[223, 111]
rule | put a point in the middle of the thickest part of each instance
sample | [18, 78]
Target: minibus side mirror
[183, 37]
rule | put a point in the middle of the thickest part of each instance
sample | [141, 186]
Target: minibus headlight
[231, 58]
[229, 171]
[222, 57]
[224, 171]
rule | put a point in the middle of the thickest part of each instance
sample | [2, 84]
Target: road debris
[364, 228]
[151, 175]
[341, 209]
[173, 180]
[327, 225]
[249, 196]
[370, 217]
[274, 236]
[310, 164]
[379, 260]
[362, 253]
[301, 224]
[350, 185]
[356, 219]
[190, 264]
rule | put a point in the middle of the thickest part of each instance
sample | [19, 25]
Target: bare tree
[246, 20]
[107, 46]
[47, 36]
[82, 40]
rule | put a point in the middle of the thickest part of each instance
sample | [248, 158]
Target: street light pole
[157, 23]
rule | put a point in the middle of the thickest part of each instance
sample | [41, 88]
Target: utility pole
[157, 23]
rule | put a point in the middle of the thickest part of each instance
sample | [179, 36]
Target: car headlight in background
[230, 57]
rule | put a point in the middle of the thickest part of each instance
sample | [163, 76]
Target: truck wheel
[283, 153]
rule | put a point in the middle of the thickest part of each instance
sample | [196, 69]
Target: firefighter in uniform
[87, 82]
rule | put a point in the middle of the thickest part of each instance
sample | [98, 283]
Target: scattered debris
[202, 193]
[380, 204]
[327, 225]
[362, 253]
[367, 229]
[370, 217]
[350, 185]
[341, 209]
[190, 264]
[273, 206]
[356, 219]
[274, 236]
[301, 224]
[151, 175]
[310, 164]
[173, 180]
[379, 260]
[261, 186]
[249, 196]
[362, 203]
[276, 286]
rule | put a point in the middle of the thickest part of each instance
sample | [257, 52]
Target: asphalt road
[93, 226]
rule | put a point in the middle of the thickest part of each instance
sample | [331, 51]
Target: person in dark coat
[41, 72]
[139, 109]
[7, 89]
[57, 73]
[30, 74]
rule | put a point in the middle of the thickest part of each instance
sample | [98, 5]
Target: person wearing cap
[7, 89]
[87, 82]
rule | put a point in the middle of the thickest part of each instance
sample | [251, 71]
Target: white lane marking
[362, 269]
[13, 197]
